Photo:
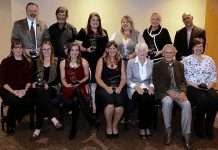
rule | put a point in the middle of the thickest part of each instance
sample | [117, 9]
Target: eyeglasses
[46, 49]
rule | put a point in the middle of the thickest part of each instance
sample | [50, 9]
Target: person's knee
[186, 105]
[167, 101]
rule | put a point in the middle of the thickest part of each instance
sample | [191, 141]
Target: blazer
[21, 32]
[181, 44]
[53, 74]
[133, 75]
[162, 80]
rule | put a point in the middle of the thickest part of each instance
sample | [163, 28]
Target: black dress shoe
[148, 136]
[142, 136]
[210, 135]
[168, 138]
[73, 133]
[109, 136]
[115, 135]
[200, 134]
[186, 143]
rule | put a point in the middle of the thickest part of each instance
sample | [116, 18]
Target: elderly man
[170, 86]
[30, 31]
[61, 32]
[184, 37]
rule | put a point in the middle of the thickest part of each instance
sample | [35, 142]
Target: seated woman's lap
[104, 98]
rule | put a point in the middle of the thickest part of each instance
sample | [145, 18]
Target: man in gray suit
[30, 31]
[170, 86]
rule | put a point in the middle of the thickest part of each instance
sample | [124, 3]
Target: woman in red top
[15, 81]
[74, 75]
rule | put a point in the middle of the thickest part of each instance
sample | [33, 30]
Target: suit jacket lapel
[26, 27]
[192, 36]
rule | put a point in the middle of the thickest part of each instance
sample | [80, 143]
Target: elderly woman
[74, 75]
[127, 38]
[93, 40]
[15, 80]
[46, 87]
[156, 37]
[111, 77]
[141, 88]
[200, 73]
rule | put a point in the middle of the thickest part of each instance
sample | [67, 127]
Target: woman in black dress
[92, 40]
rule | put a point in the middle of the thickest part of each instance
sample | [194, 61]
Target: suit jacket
[162, 80]
[181, 44]
[133, 75]
[21, 32]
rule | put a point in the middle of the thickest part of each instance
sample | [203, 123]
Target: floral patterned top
[199, 71]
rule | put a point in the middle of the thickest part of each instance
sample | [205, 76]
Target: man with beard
[61, 33]
[30, 31]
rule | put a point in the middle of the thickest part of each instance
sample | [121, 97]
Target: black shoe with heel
[73, 133]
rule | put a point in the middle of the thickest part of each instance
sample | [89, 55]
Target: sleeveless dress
[73, 74]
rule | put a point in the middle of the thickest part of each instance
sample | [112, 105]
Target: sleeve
[140, 38]
[183, 86]
[213, 76]
[168, 39]
[30, 72]
[3, 73]
[46, 35]
[113, 37]
[14, 33]
[81, 34]
[129, 75]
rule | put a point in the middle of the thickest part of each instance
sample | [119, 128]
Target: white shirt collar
[137, 60]
[30, 23]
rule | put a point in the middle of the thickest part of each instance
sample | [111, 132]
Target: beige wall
[5, 27]
[111, 12]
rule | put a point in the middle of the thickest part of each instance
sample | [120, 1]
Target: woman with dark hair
[156, 37]
[111, 77]
[74, 75]
[201, 74]
[92, 41]
[46, 87]
[15, 80]
[127, 38]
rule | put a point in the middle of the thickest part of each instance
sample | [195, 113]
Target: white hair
[143, 46]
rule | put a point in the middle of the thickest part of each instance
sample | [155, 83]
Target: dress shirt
[142, 73]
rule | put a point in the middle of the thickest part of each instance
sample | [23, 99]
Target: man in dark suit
[30, 31]
[184, 37]
[170, 86]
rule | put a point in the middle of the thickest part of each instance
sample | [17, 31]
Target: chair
[4, 116]
[63, 105]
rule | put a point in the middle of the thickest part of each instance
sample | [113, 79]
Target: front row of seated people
[165, 79]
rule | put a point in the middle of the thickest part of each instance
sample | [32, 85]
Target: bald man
[184, 37]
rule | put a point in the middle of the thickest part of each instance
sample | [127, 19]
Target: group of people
[129, 67]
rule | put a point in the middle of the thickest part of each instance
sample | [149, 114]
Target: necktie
[171, 71]
[32, 34]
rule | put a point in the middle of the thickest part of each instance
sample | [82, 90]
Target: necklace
[112, 63]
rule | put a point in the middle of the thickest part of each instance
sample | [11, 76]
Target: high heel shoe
[109, 136]
[115, 135]
[36, 133]
[73, 133]
[58, 125]
[142, 136]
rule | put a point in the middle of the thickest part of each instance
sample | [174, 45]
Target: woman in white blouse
[200, 73]
[141, 89]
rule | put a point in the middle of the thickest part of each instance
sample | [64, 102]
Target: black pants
[79, 102]
[18, 107]
[145, 104]
[206, 105]
[42, 101]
